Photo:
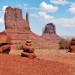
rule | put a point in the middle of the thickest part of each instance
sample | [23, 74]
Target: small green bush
[19, 46]
[64, 44]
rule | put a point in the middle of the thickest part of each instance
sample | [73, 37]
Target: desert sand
[48, 62]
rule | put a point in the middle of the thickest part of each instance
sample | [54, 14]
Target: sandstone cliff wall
[14, 20]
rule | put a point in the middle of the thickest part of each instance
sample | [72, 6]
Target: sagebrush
[64, 44]
[19, 46]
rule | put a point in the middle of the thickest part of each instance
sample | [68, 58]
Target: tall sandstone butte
[14, 19]
[19, 29]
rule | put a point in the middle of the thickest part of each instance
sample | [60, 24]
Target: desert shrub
[19, 46]
[64, 44]
[37, 47]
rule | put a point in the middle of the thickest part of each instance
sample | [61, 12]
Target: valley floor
[48, 62]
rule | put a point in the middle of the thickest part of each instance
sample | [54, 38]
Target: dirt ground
[48, 62]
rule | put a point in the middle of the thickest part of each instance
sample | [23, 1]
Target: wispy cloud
[43, 9]
[34, 15]
[72, 8]
[25, 6]
[48, 7]
[44, 15]
[1, 20]
[65, 22]
[61, 2]
[68, 25]
[2, 14]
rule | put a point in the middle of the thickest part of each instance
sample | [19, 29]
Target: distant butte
[19, 30]
[49, 33]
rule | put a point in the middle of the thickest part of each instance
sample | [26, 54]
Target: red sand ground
[48, 62]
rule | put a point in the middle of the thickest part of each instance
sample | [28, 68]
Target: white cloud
[72, 8]
[72, 4]
[34, 8]
[42, 11]
[48, 8]
[34, 15]
[25, 6]
[68, 25]
[43, 6]
[2, 14]
[65, 22]
[1, 20]
[30, 8]
[3, 9]
[62, 2]
[43, 15]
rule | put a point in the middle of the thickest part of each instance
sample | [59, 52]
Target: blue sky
[59, 12]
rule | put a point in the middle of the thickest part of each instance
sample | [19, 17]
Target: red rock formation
[15, 25]
[72, 46]
[5, 42]
[49, 33]
[28, 50]
[4, 38]
[14, 19]
[49, 29]
[19, 29]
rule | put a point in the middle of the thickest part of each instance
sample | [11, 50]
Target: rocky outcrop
[4, 38]
[5, 42]
[28, 50]
[72, 46]
[49, 33]
[14, 20]
[15, 25]
[49, 29]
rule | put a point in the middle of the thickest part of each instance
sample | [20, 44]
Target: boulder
[5, 42]
[29, 55]
[73, 39]
[72, 46]
[28, 50]
[72, 42]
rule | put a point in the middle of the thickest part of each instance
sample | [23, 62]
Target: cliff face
[14, 20]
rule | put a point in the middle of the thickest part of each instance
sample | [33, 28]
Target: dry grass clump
[19, 46]
[64, 44]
